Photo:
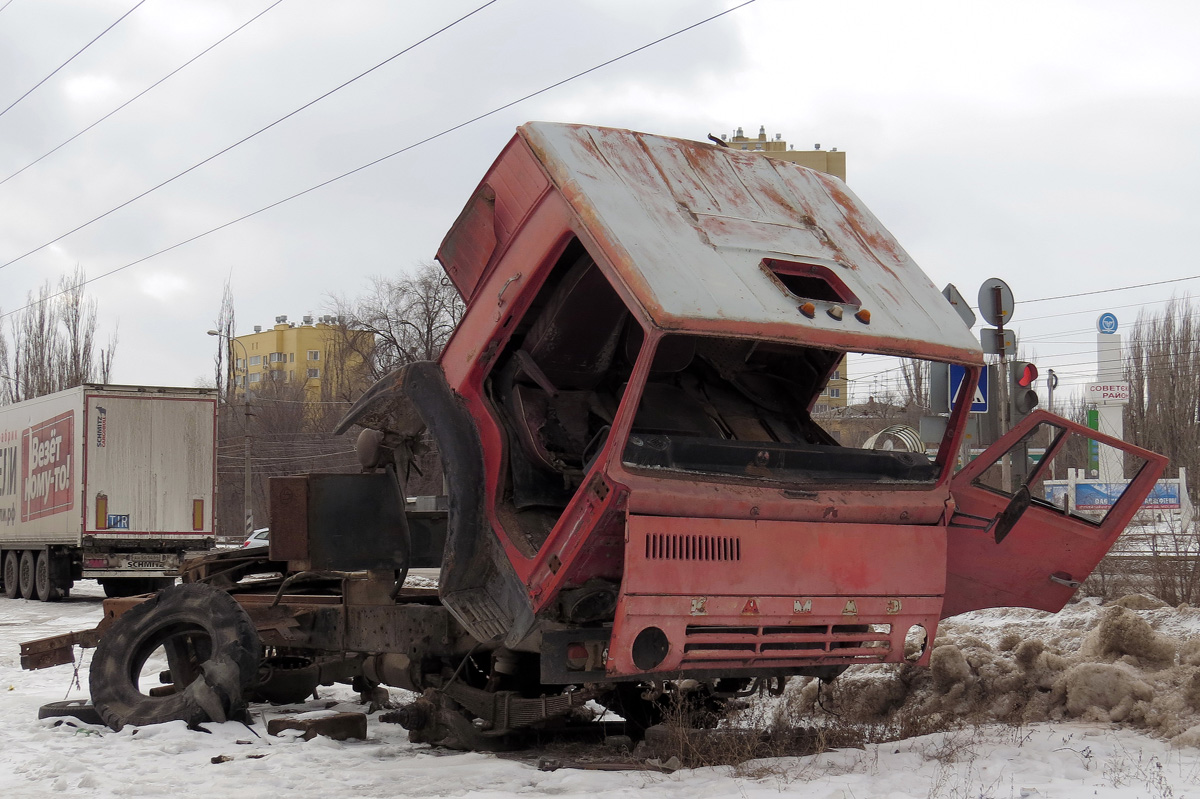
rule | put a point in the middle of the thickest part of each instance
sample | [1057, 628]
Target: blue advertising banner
[1056, 495]
[1097, 496]
[1100, 496]
[1164, 495]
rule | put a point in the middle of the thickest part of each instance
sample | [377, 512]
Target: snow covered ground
[1092, 664]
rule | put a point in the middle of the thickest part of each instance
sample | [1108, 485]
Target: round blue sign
[1107, 323]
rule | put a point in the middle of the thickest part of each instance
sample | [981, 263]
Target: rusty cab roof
[712, 239]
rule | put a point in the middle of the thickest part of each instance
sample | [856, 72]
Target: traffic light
[1021, 396]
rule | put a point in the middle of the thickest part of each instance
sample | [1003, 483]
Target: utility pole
[247, 496]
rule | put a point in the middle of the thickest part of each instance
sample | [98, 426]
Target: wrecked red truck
[642, 497]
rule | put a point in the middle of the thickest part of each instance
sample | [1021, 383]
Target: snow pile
[1134, 661]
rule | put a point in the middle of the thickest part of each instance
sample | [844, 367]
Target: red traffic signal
[1021, 396]
[1025, 373]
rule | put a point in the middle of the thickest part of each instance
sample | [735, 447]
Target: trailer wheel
[43, 578]
[28, 574]
[12, 575]
[211, 649]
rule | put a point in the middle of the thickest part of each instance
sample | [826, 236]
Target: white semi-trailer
[113, 483]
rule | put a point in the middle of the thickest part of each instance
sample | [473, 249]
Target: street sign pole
[1005, 413]
[996, 304]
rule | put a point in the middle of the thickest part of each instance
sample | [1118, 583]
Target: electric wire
[69, 60]
[358, 169]
[1119, 288]
[245, 139]
[1108, 291]
[297, 458]
[143, 92]
[6, 5]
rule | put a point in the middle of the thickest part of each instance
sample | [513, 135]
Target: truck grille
[850, 643]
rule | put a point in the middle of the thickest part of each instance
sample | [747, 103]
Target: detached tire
[212, 650]
[79, 709]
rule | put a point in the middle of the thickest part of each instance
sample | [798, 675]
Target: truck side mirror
[1009, 517]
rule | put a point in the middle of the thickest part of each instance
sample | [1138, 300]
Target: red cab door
[1016, 538]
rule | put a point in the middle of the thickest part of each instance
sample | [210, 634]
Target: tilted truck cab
[638, 486]
[647, 496]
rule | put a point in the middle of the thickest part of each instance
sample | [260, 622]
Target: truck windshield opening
[738, 408]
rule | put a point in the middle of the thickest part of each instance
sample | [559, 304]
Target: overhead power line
[143, 92]
[69, 60]
[245, 139]
[1109, 291]
[367, 165]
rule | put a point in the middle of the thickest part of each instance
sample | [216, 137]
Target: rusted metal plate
[687, 226]
[289, 518]
[115, 607]
[406, 629]
[355, 522]
[308, 622]
[56, 650]
[339, 726]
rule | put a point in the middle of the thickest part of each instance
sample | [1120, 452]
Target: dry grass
[786, 726]
[1159, 562]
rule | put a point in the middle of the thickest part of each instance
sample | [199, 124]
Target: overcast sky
[1053, 144]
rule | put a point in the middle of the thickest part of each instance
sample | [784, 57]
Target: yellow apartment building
[831, 162]
[314, 355]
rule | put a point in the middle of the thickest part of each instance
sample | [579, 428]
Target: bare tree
[53, 343]
[224, 326]
[916, 381]
[1162, 365]
[409, 318]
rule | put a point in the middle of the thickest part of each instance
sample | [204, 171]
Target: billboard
[46, 449]
[1102, 496]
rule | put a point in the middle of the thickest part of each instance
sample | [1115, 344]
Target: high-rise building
[319, 355]
[831, 162]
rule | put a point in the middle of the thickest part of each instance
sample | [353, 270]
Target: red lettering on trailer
[46, 480]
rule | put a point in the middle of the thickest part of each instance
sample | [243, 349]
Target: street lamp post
[246, 427]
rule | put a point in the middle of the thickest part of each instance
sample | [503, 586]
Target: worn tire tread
[234, 639]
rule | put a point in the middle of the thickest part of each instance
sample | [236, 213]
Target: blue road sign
[958, 373]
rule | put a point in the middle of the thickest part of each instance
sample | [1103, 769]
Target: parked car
[259, 538]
